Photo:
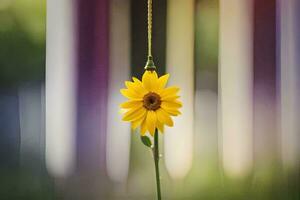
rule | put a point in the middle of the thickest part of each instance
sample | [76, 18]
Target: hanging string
[149, 27]
[150, 64]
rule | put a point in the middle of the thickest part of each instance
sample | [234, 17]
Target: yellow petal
[136, 87]
[146, 79]
[136, 80]
[172, 111]
[149, 80]
[134, 114]
[143, 127]
[154, 74]
[170, 98]
[162, 81]
[136, 123]
[130, 94]
[160, 126]
[131, 104]
[170, 91]
[164, 117]
[151, 121]
[171, 104]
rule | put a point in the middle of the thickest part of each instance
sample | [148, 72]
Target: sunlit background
[62, 63]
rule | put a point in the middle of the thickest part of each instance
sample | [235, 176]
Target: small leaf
[146, 141]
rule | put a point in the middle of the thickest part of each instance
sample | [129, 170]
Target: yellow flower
[150, 104]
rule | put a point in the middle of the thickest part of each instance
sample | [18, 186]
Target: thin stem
[156, 162]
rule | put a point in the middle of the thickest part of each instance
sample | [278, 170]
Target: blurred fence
[61, 68]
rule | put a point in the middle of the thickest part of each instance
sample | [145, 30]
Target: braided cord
[150, 64]
[149, 27]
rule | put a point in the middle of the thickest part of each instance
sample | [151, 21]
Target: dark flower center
[152, 101]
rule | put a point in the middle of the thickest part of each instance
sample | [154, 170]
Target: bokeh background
[62, 63]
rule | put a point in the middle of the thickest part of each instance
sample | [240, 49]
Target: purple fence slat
[92, 84]
[265, 113]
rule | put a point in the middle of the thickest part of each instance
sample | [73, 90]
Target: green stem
[156, 162]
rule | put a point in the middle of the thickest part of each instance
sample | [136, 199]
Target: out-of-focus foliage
[25, 185]
[22, 41]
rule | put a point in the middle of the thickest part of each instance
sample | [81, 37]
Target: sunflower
[150, 104]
